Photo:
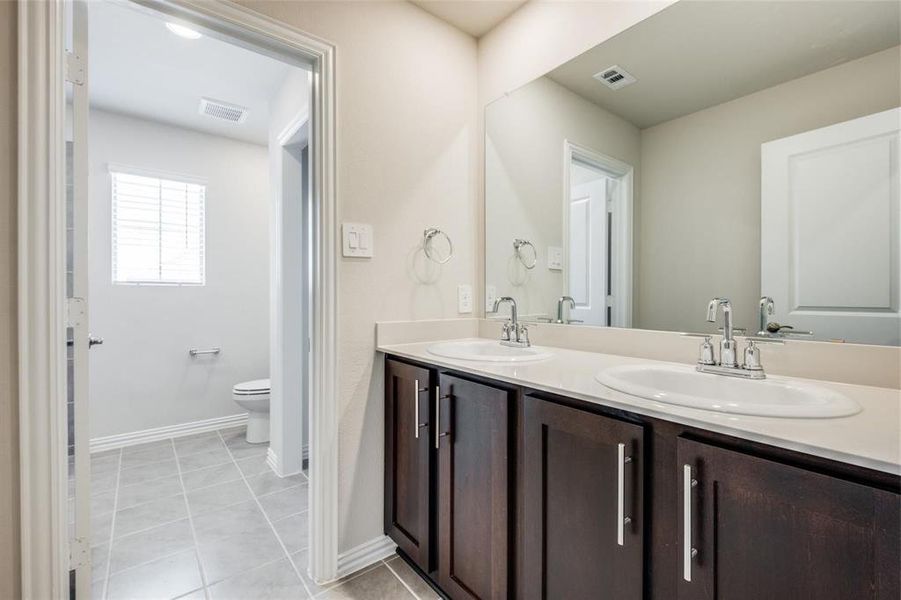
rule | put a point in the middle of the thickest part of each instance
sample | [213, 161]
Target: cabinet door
[407, 481]
[763, 530]
[582, 488]
[473, 489]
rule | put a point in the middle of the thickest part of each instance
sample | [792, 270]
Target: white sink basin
[487, 351]
[685, 386]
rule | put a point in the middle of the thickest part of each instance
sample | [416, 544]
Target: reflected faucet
[767, 328]
[560, 301]
[727, 344]
[767, 309]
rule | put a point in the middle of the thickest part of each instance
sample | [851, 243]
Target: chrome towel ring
[518, 246]
[427, 237]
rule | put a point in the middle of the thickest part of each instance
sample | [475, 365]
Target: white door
[77, 290]
[587, 250]
[830, 254]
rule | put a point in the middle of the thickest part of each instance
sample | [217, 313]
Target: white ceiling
[694, 55]
[138, 67]
[475, 17]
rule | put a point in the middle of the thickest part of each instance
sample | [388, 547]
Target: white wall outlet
[490, 296]
[356, 240]
[555, 258]
[464, 298]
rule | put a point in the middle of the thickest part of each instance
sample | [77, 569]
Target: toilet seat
[256, 387]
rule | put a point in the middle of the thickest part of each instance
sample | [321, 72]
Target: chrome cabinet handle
[437, 415]
[621, 519]
[416, 407]
[94, 340]
[688, 552]
[438, 432]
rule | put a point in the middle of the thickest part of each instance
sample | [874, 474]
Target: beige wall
[699, 231]
[407, 158]
[9, 414]
[524, 177]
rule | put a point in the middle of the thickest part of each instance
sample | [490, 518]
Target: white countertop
[871, 438]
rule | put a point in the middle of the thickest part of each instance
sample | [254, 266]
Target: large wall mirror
[741, 149]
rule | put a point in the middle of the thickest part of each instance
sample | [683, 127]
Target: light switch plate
[490, 296]
[356, 240]
[464, 298]
[555, 258]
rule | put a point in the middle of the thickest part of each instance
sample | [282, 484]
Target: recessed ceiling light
[182, 31]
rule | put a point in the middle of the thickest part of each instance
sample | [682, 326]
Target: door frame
[42, 266]
[622, 222]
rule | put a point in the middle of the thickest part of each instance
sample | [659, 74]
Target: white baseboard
[275, 463]
[364, 555]
[134, 438]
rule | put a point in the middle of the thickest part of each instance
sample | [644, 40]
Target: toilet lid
[257, 385]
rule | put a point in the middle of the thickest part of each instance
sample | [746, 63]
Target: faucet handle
[522, 334]
[706, 356]
[752, 357]
[507, 330]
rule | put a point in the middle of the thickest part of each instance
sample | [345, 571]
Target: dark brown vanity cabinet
[408, 478]
[582, 508]
[756, 529]
[474, 483]
[499, 492]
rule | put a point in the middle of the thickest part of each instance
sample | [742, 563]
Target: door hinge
[79, 553]
[74, 69]
[75, 312]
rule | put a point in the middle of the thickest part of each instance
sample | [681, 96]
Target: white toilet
[253, 396]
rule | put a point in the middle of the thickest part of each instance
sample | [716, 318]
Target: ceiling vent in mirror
[223, 110]
[614, 77]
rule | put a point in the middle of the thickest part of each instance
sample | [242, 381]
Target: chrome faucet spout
[560, 302]
[728, 355]
[512, 303]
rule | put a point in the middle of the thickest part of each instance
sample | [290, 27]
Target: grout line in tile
[147, 562]
[268, 520]
[278, 491]
[197, 557]
[401, 579]
[112, 530]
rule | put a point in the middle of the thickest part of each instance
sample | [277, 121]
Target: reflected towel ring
[518, 245]
[427, 236]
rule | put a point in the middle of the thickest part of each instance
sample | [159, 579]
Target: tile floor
[204, 517]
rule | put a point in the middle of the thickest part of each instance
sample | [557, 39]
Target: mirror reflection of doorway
[598, 245]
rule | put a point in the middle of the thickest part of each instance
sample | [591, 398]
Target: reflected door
[588, 244]
[830, 256]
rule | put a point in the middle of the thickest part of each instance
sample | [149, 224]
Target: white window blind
[158, 230]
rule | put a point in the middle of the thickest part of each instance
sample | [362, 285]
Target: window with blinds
[158, 230]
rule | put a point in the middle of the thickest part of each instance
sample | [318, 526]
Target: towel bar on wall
[197, 352]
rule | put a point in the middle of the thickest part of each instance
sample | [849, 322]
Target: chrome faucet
[560, 301]
[728, 363]
[767, 309]
[513, 332]
[771, 329]
[727, 344]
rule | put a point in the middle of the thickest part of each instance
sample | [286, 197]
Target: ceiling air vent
[223, 110]
[615, 77]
